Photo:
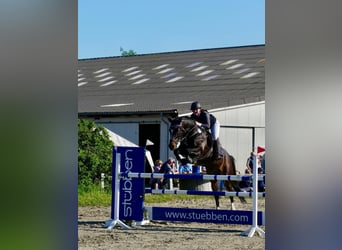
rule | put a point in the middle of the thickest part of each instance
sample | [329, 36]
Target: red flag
[260, 150]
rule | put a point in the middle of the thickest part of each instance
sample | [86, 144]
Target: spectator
[246, 185]
[155, 182]
[249, 163]
[168, 167]
[259, 159]
[261, 170]
[174, 169]
[263, 167]
[263, 163]
[185, 168]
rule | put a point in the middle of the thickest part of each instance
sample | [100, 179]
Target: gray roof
[169, 82]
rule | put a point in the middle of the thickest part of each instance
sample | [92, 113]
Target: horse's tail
[236, 183]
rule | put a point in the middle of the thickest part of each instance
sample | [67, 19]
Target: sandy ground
[167, 235]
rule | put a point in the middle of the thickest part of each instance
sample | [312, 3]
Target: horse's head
[187, 140]
[180, 128]
[177, 132]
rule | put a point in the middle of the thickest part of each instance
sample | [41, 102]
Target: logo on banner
[127, 183]
[131, 189]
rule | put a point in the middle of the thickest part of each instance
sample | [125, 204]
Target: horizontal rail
[191, 176]
[195, 192]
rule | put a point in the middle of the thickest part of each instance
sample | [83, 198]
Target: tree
[94, 152]
[127, 53]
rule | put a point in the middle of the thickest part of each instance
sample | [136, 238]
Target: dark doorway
[150, 132]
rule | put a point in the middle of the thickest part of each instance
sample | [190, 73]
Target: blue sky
[155, 26]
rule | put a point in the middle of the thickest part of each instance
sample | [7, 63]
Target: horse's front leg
[183, 156]
[193, 155]
[177, 154]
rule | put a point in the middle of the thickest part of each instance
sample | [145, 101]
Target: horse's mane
[189, 123]
[188, 120]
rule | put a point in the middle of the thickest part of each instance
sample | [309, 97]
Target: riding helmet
[195, 105]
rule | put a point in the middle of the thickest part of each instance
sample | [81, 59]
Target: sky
[158, 26]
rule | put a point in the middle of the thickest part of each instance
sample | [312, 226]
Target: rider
[206, 120]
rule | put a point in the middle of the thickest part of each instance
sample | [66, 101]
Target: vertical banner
[131, 189]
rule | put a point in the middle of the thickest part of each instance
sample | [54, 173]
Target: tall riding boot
[216, 147]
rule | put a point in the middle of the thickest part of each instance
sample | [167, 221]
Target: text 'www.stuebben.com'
[207, 216]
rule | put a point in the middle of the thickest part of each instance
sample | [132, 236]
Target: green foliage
[94, 152]
[127, 53]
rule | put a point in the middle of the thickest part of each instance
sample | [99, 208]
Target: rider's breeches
[215, 130]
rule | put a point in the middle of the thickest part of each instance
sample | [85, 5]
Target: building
[133, 96]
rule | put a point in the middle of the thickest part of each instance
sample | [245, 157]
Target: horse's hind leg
[238, 189]
[232, 202]
[217, 201]
[229, 187]
[214, 187]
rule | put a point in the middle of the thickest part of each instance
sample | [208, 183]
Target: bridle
[182, 133]
[187, 134]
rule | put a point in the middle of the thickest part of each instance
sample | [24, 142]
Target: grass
[171, 197]
[94, 196]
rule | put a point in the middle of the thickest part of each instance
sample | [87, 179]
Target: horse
[193, 144]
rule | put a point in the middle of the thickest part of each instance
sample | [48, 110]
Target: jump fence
[128, 196]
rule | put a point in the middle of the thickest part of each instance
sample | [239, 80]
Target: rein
[188, 136]
[190, 130]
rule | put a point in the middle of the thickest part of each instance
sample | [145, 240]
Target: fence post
[102, 181]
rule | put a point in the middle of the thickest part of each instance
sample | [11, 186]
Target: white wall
[236, 133]
[243, 115]
[238, 143]
[130, 131]
[128, 127]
